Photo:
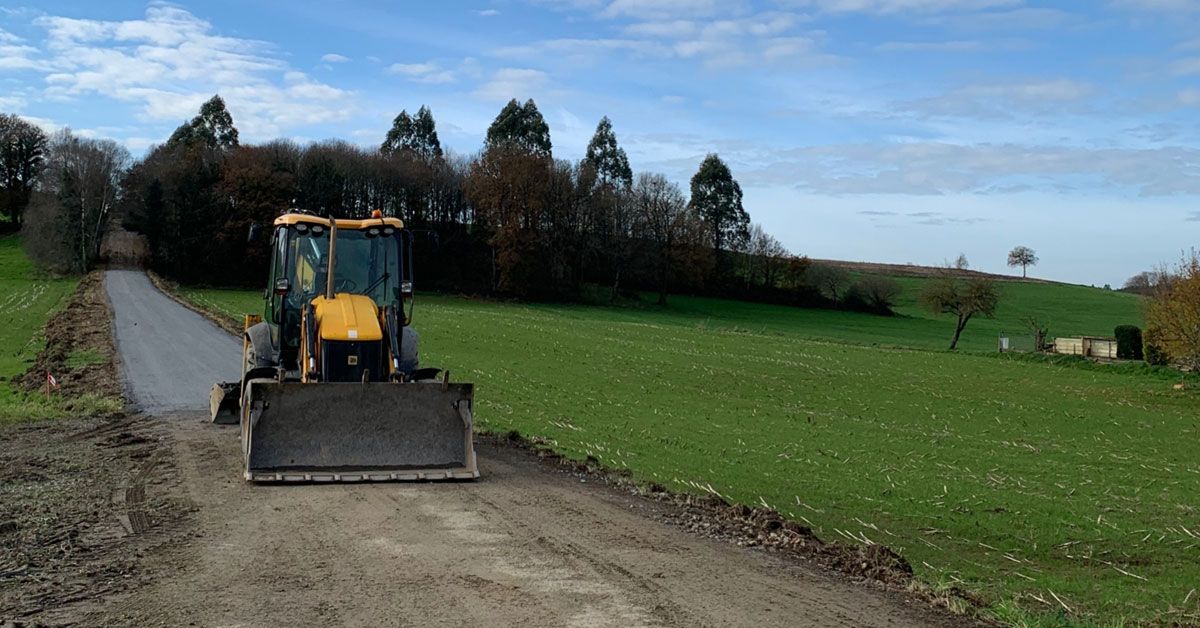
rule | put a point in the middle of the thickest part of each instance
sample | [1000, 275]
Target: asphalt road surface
[523, 545]
[170, 356]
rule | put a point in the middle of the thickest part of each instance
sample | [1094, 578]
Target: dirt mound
[79, 349]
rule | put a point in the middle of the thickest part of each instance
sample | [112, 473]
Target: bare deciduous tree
[79, 188]
[677, 236]
[877, 293]
[831, 281]
[964, 298]
[1022, 256]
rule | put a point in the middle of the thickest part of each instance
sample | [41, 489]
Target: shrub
[873, 294]
[1129, 342]
[1152, 351]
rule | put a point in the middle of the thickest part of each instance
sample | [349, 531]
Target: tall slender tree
[717, 198]
[520, 127]
[606, 177]
[415, 134]
[607, 158]
[212, 128]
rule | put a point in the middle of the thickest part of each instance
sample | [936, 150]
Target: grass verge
[58, 325]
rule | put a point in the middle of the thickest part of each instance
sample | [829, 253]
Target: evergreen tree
[520, 127]
[22, 155]
[417, 134]
[606, 158]
[212, 128]
[717, 198]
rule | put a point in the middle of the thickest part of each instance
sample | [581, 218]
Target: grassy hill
[1012, 478]
[1069, 310]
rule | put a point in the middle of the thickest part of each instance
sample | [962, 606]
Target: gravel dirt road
[524, 545]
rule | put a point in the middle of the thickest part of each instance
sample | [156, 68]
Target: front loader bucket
[223, 402]
[355, 432]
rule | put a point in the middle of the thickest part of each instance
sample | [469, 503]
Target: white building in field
[1087, 346]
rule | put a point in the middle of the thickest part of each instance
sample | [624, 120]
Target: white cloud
[487, 13]
[942, 168]
[1186, 66]
[1021, 20]
[931, 46]
[1169, 6]
[20, 57]
[787, 47]
[580, 50]
[1190, 97]
[1000, 100]
[12, 102]
[724, 42]
[428, 73]
[507, 83]
[668, 9]
[886, 7]
[334, 57]
[171, 61]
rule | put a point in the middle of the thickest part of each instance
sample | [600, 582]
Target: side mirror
[406, 289]
[282, 285]
[252, 236]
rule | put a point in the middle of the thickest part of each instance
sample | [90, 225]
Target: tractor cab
[370, 259]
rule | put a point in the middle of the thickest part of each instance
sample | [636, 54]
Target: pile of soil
[83, 326]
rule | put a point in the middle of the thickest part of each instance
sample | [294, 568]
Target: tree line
[512, 219]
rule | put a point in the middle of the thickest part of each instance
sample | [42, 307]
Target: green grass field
[27, 300]
[1035, 483]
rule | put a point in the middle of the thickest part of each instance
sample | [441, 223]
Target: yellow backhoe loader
[331, 388]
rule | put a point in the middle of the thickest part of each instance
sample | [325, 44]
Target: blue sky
[881, 130]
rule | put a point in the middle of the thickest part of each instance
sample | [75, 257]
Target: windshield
[365, 264]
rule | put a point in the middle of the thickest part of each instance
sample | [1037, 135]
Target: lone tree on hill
[965, 298]
[415, 134]
[717, 198]
[1022, 256]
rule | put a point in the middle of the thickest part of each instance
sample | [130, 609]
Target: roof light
[376, 213]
